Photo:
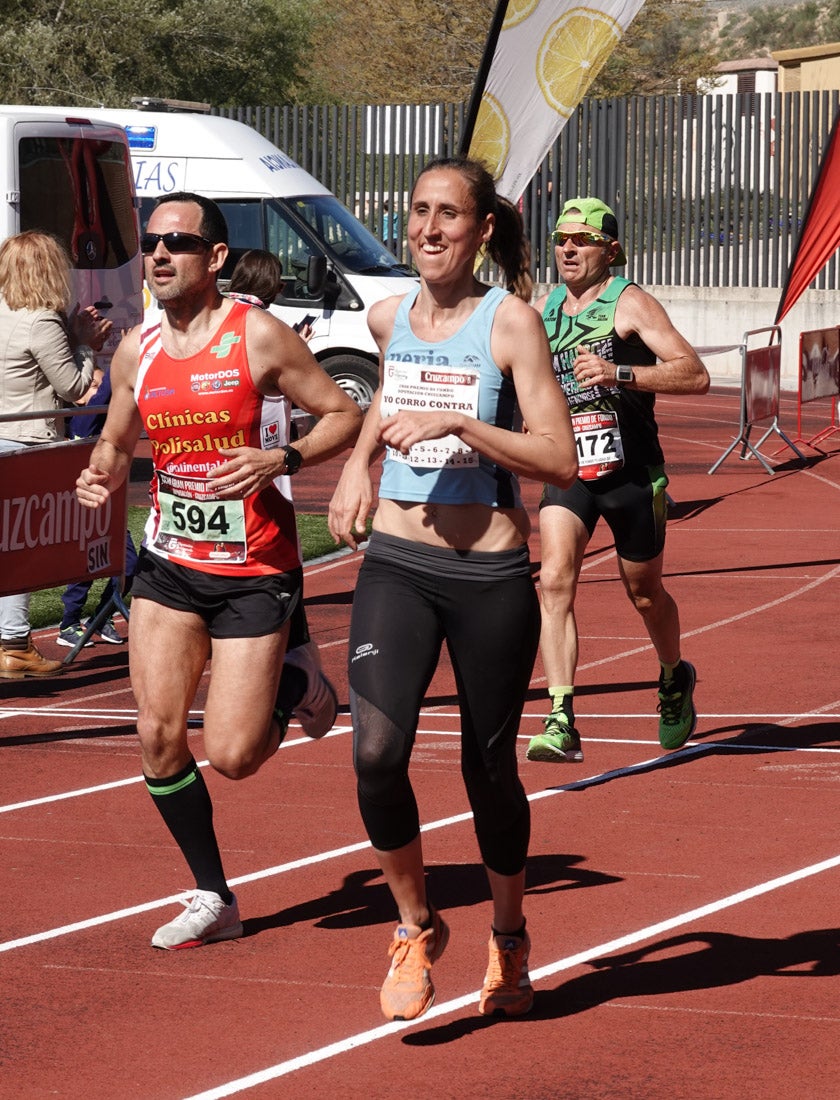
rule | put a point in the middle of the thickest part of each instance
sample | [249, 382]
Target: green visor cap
[596, 214]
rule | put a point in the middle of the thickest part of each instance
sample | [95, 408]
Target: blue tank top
[461, 479]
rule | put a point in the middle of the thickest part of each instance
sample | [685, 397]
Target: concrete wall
[711, 317]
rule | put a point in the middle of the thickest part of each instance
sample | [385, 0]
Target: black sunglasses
[173, 242]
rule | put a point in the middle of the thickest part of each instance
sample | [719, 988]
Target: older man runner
[220, 572]
[614, 349]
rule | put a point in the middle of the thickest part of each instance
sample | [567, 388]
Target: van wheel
[358, 377]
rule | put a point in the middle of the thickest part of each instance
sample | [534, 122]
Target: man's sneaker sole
[233, 933]
[681, 739]
[166, 937]
[317, 711]
[544, 749]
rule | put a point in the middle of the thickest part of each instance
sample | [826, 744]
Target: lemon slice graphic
[491, 138]
[517, 11]
[571, 55]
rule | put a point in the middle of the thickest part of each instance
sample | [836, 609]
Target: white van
[70, 175]
[335, 268]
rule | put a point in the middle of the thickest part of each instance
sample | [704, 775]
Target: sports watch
[623, 375]
[294, 460]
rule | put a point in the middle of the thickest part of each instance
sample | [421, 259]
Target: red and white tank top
[191, 407]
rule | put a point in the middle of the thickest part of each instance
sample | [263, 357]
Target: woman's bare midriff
[455, 526]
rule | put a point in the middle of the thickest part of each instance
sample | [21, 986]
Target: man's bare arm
[281, 363]
[679, 369]
[111, 458]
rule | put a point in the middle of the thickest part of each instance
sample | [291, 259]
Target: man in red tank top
[219, 574]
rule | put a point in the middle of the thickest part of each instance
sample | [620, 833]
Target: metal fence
[709, 190]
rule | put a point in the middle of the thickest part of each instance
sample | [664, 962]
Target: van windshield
[354, 246]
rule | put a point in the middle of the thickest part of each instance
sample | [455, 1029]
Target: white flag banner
[541, 57]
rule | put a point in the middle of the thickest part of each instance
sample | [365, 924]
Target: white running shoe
[206, 919]
[318, 708]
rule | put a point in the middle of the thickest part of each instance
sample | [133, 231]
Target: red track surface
[683, 908]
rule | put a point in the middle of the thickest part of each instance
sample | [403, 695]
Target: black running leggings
[401, 616]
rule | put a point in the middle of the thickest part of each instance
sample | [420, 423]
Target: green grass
[46, 607]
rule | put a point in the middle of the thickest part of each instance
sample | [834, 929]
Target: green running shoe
[559, 744]
[677, 716]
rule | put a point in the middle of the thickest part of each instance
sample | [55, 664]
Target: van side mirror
[316, 276]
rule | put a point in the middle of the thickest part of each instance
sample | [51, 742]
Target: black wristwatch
[623, 375]
[294, 459]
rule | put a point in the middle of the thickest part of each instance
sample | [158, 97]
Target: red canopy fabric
[820, 234]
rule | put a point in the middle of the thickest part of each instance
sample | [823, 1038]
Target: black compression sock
[183, 802]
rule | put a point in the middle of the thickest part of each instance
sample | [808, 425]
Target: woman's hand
[88, 326]
[406, 428]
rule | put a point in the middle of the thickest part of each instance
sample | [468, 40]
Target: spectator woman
[46, 361]
[258, 279]
[448, 560]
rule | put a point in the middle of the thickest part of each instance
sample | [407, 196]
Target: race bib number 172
[598, 442]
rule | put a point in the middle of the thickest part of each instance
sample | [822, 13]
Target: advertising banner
[46, 537]
[761, 382]
[819, 357]
[540, 58]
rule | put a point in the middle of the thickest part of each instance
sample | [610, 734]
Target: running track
[683, 908]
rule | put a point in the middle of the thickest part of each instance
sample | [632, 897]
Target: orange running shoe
[407, 992]
[507, 987]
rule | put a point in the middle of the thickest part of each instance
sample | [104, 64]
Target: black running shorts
[633, 502]
[232, 607]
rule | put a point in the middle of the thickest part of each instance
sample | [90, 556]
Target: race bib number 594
[195, 527]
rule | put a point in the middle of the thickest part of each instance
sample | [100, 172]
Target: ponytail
[511, 249]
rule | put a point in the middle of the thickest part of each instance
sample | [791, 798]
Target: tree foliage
[424, 50]
[91, 51]
[757, 31]
[405, 51]
[666, 49]
[294, 51]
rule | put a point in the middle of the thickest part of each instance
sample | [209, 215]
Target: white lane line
[336, 731]
[158, 903]
[254, 876]
[827, 712]
[746, 614]
[597, 779]
[364, 1038]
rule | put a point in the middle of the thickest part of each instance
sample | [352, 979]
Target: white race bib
[197, 526]
[598, 442]
[419, 387]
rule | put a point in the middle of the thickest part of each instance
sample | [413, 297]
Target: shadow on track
[363, 898]
[695, 960]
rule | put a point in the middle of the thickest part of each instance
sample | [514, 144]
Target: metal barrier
[760, 373]
[709, 190]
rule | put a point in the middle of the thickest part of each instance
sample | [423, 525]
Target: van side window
[77, 189]
[277, 233]
[294, 251]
